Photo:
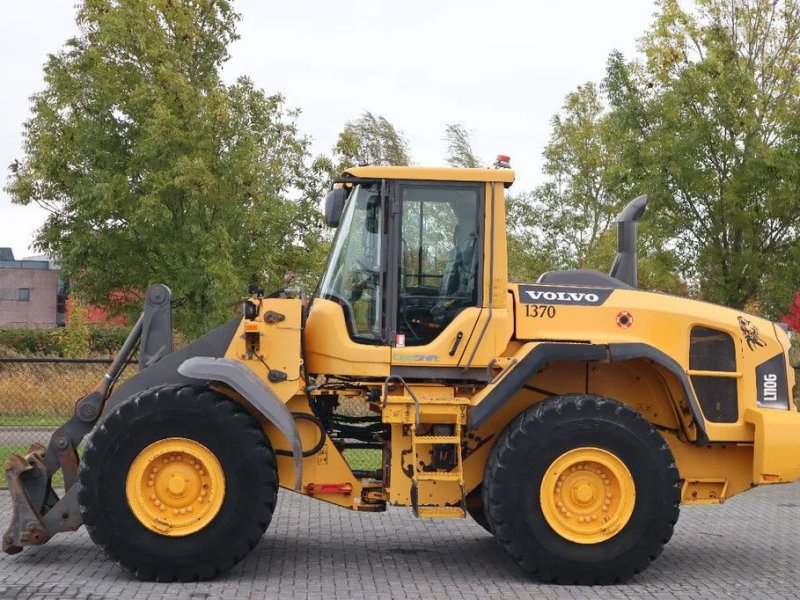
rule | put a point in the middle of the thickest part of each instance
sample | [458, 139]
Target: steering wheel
[362, 277]
[364, 267]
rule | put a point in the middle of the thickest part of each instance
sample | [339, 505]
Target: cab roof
[505, 176]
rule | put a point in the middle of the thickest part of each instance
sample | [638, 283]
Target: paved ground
[748, 548]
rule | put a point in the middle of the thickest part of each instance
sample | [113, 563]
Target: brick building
[31, 293]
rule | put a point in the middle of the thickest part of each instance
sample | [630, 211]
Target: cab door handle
[456, 343]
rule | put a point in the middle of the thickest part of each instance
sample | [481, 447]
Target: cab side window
[439, 258]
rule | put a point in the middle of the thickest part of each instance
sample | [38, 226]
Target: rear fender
[540, 355]
[243, 381]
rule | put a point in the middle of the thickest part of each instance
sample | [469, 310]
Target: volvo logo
[564, 296]
[541, 294]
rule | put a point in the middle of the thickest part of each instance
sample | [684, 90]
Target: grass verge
[5, 452]
[363, 460]
[32, 420]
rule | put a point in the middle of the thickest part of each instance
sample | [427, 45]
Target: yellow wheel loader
[569, 417]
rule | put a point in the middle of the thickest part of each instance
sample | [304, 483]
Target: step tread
[441, 512]
[439, 476]
[437, 439]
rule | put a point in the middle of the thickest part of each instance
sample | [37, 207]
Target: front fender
[241, 379]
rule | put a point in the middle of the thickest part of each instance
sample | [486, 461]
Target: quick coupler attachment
[28, 485]
[37, 513]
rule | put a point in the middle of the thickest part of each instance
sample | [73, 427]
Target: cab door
[438, 246]
[346, 327]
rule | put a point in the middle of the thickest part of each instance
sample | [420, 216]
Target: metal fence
[37, 395]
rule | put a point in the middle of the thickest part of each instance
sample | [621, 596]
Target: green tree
[531, 249]
[569, 221]
[576, 204]
[154, 170]
[565, 223]
[459, 147]
[710, 117]
[370, 140]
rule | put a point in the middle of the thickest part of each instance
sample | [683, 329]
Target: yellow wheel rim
[175, 487]
[587, 495]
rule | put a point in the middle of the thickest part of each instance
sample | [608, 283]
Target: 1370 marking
[540, 311]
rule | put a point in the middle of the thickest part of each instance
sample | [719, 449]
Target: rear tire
[201, 417]
[474, 502]
[522, 483]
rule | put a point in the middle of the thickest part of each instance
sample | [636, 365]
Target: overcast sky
[501, 68]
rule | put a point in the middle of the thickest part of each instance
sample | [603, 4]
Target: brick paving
[747, 548]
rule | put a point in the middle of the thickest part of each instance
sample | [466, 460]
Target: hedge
[25, 341]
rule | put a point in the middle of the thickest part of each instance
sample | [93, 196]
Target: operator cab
[438, 260]
[405, 275]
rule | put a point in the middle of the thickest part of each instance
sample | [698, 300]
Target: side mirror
[334, 205]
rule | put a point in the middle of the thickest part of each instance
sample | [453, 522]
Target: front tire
[581, 490]
[178, 483]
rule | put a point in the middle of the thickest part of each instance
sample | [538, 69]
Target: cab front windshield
[353, 275]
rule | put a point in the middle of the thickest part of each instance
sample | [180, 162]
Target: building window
[24, 294]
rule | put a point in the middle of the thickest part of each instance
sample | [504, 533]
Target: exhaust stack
[624, 267]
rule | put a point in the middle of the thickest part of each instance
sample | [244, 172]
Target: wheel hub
[175, 487]
[587, 495]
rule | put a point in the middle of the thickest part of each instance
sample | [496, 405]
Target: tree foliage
[154, 170]
[568, 222]
[709, 120]
[371, 140]
[576, 204]
[459, 147]
[706, 123]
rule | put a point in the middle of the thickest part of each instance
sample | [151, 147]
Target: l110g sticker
[771, 383]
